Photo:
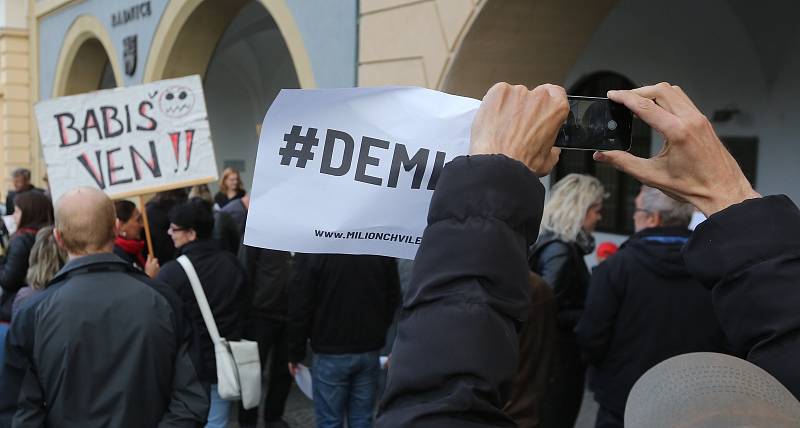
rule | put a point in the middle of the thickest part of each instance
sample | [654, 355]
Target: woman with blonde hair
[570, 216]
[230, 187]
[45, 260]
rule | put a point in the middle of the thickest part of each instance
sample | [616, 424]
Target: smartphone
[595, 124]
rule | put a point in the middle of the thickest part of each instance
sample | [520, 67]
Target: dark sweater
[343, 303]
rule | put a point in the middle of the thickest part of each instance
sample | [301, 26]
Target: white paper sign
[352, 171]
[304, 381]
[128, 141]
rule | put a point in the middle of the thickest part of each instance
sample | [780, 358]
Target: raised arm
[456, 350]
[747, 252]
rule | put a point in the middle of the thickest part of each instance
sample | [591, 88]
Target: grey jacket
[103, 345]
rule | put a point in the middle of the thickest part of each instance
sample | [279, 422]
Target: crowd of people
[502, 323]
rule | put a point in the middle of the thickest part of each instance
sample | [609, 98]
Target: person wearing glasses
[644, 306]
[224, 282]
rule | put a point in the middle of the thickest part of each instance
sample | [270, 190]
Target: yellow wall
[15, 123]
[461, 46]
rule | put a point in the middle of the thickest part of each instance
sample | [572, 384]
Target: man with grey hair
[643, 306]
[21, 180]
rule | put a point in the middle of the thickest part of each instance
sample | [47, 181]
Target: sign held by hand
[128, 141]
[352, 171]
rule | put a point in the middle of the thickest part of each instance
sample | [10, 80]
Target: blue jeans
[3, 332]
[219, 412]
[345, 384]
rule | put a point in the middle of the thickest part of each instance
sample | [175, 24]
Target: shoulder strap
[200, 296]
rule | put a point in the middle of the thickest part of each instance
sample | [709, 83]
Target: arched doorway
[85, 60]
[241, 51]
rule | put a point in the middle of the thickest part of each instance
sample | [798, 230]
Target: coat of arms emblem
[129, 54]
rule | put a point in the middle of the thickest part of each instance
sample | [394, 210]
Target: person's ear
[59, 240]
[191, 234]
[655, 219]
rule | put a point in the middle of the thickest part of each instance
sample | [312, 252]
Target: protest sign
[352, 171]
[128, 141]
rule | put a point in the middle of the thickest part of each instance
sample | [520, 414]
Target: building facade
[737, 59]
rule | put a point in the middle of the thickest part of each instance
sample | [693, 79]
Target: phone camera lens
[612, 125]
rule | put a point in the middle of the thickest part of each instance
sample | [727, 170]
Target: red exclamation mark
[176, 139]
[189, 139]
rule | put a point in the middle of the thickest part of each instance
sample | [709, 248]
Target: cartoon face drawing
[176, 101]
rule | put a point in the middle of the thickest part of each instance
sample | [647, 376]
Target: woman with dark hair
[157, 214]
[224, 283]
[230, 187]
[32, 211]
[128, 245]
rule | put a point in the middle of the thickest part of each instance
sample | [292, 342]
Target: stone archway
[464, 47]
[86, 59]
[245, 51]
[190, 30]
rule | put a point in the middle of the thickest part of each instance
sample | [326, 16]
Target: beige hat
[709, 390]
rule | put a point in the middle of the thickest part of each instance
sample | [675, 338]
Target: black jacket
[221, 199]
[268, 271]
[749, 256]
[225, 284]
[158, 219]
[344, 303]
[562, 267]
[226, 232]
[13, 270]
[643, 308]
[103, 345]
[456, 352]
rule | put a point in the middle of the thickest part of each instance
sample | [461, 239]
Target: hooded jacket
[749, 256]
[643, 307]
[103, 345]
[456, 352]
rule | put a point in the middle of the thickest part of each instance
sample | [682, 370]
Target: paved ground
[300, 413]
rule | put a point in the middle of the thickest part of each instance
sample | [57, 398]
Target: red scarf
[30, 230]
[133, 247]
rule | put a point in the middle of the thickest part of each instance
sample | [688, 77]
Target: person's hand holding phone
[694, 165]
[521, 124]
